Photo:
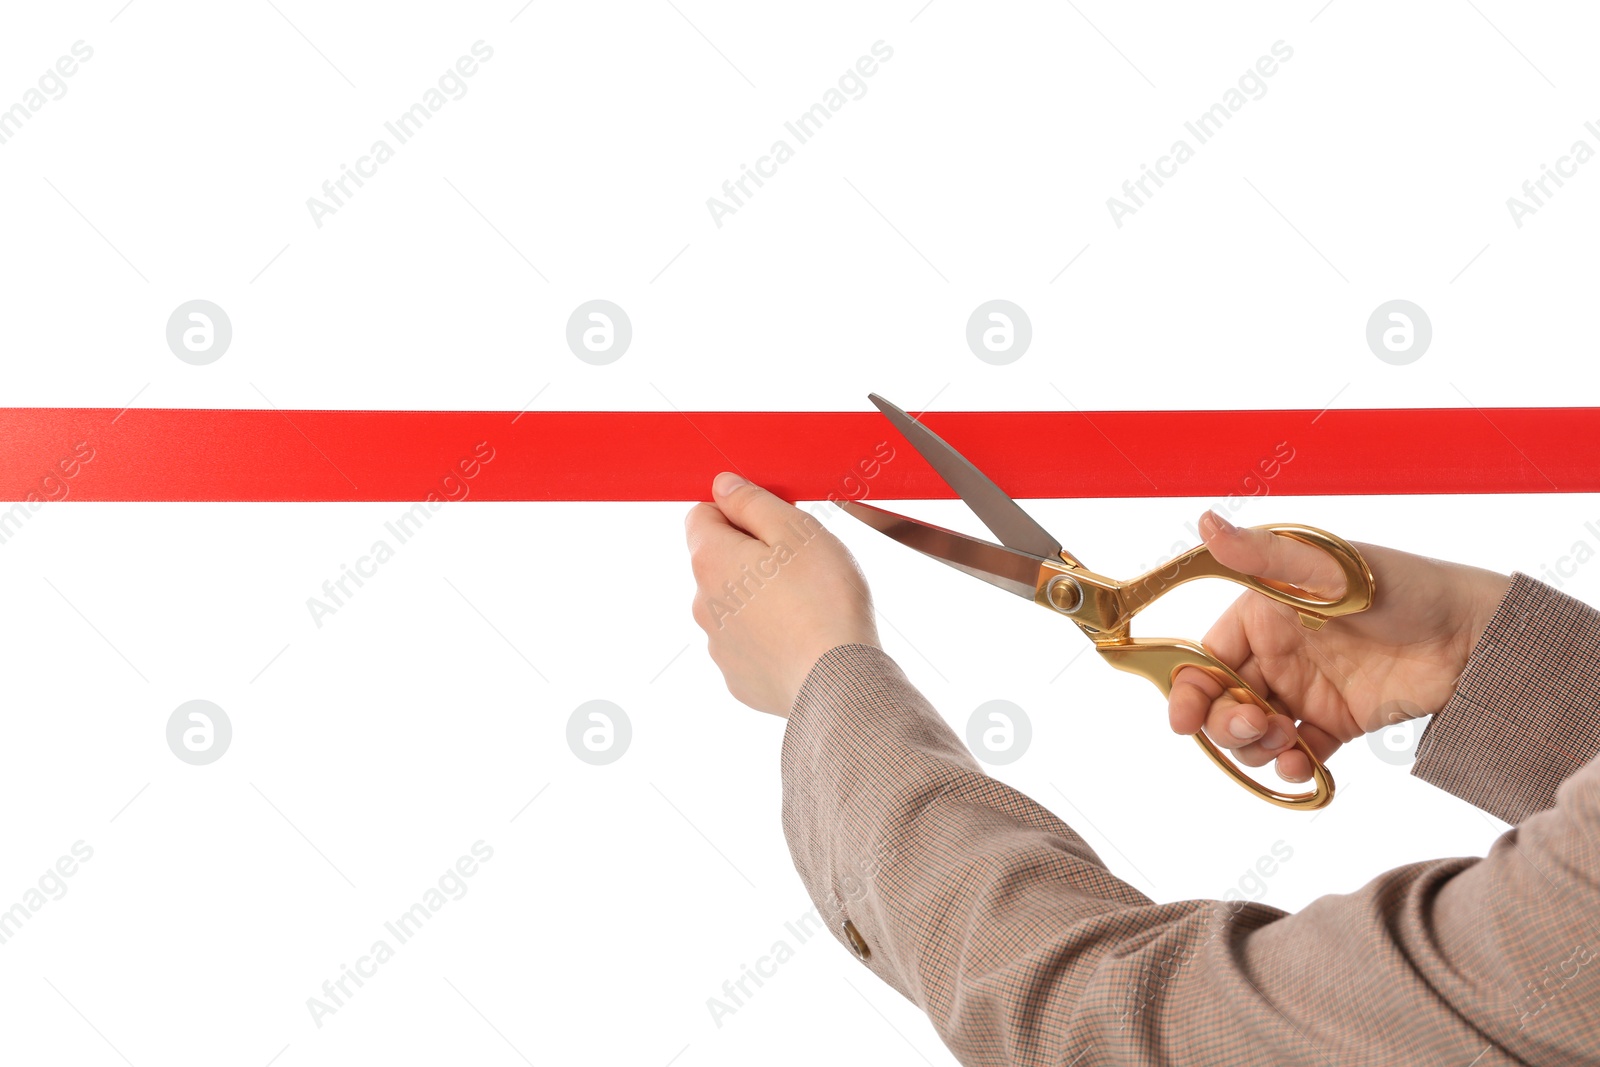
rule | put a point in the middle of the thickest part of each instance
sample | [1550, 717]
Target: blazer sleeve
[1525, 714]
[999, 921]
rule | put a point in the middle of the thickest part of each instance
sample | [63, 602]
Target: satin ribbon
[270, 455]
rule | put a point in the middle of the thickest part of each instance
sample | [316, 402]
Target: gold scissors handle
[1136, 594]
[1160, 659]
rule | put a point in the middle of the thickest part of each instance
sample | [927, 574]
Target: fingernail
[1223, 524]
[1242, 729]
[726, 482]
[1275, 737]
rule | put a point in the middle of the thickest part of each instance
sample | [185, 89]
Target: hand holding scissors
[1031, 563]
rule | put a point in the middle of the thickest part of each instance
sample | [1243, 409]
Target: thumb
[756, 511]
[1275, 557]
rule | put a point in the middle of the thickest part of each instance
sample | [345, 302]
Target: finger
[1227, 642]
[1236, 724]
[1233, 724]
[1278, 737]
[1199, 699]
[760, 513]
[1293, 765]
[1275, 557]
[700, 611]
[710, 536]
[1193, 691]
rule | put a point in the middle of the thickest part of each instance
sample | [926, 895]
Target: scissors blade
[1003, 516]
[1011, 569]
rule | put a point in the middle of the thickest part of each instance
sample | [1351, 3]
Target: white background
[370, 753]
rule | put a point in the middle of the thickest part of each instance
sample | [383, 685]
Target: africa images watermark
[804, 127]
[405, 126]
[54, 484]
[51, 82]
[1205, 126]
[1551, 983]
[403, 528]
[737, 992]
[52, 885]
[336, 991]
[1537, 190]
[1566, 566]
[854, 484]
[753, 579]
[1256, 483]
[1250, 887]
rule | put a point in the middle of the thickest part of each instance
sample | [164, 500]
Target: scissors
[1031, 563]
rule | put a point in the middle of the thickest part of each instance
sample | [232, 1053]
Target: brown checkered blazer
[1000, 922]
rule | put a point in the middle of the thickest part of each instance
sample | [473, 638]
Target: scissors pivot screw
[1065, 594]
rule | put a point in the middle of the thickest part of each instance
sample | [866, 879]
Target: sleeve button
[858, 944]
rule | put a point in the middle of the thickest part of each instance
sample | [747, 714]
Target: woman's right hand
[1399, 659]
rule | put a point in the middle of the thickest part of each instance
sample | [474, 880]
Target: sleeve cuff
[1525, 714]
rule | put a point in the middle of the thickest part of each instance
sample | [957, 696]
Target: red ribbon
[269, 455]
